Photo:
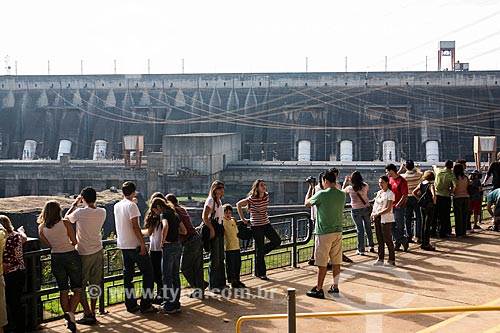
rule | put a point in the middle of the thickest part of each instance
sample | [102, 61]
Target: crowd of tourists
[411, 206]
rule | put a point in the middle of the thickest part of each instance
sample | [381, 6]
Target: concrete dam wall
[426, 116]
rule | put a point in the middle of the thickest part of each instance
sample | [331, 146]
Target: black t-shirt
[494, 171]
[173, 225]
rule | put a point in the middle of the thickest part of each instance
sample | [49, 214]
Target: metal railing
[291, 316]
[42, 295]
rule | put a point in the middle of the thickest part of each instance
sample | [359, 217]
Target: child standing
[232, 248]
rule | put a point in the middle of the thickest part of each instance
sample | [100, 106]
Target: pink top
[461, 189]
[356, 202]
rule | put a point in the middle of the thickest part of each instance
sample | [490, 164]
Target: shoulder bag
[370, 207]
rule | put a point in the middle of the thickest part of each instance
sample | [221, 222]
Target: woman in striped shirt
[257, 203]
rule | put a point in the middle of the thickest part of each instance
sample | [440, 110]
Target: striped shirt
[413, 179]
[258, 210]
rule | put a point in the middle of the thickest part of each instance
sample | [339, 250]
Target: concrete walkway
[461, 272]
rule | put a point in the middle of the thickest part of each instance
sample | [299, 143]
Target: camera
[311, 180]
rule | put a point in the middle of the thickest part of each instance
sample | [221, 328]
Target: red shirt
[186, 220]
[399, 186]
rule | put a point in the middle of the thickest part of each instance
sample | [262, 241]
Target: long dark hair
[163, 205]
[386, 179]
[458, 170]
[254, 191]
[152, 219]
[357, 181]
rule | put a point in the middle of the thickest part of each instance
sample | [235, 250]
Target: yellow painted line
[453, 319]
[242, 319]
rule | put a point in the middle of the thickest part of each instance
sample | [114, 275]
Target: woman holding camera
[360, 210]
[257, 203]
[213, 214]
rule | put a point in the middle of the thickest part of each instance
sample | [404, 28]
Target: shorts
[92, 270]
[3, 303]
[475, 207]
[328, 246]
[496, 212]
[67, 266]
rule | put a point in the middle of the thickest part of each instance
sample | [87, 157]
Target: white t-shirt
[89, 222]
[381, 203]
[155, 238]
[125, 211]
[219, 211]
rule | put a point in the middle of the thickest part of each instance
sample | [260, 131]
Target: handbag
[244, 232]
[204, 231]
[370, 207]
[426, 197]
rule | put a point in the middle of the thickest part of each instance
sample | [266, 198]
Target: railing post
[294, 242]
[291, 310]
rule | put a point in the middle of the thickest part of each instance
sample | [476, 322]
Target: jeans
[427, 218]
[383, 232]
[192, 262]
[14, 285]
[130, 258]
[216, 272]
[398, 232]
[361, 218]
[233, 265]
[412, 206]
[461, 212]
[156, 257]
[261, 249]
[171, 263]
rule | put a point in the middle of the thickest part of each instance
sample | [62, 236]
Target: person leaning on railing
[493, 199]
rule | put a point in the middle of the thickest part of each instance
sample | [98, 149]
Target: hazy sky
[244, 36]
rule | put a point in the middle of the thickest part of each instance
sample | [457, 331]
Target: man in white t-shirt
[131, 242]
[89, 220]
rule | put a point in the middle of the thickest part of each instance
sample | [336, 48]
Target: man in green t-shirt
[328, 230]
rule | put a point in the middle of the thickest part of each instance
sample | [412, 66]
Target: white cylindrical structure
[29, 149]
[389, 151]
[100, 150]
[304, 151]
[346, 151]
[64, 148]
[432, 151]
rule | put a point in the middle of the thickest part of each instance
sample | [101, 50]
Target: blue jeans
[412, 206]
[171, 263]
[216, 272]
[130, 258]
[398, 230]
[361, 218]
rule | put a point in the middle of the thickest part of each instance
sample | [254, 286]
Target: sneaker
[134, 309]
[359, 253]
[345, 258]
[428, 248]
[87, 320]
[263, 277]
[241, 284]
[391, 263]
[311, 262]
[372, 249]
[70, 321]
[151, 309]
[410, 240]
[333, 290]
[314, 292]
[378, 262]
[167, 310]
[157, 300]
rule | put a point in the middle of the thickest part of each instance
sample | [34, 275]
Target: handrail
[471, 308]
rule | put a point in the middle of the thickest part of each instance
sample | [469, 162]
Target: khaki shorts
[3, 303]
[92, 270]
[328, 246]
